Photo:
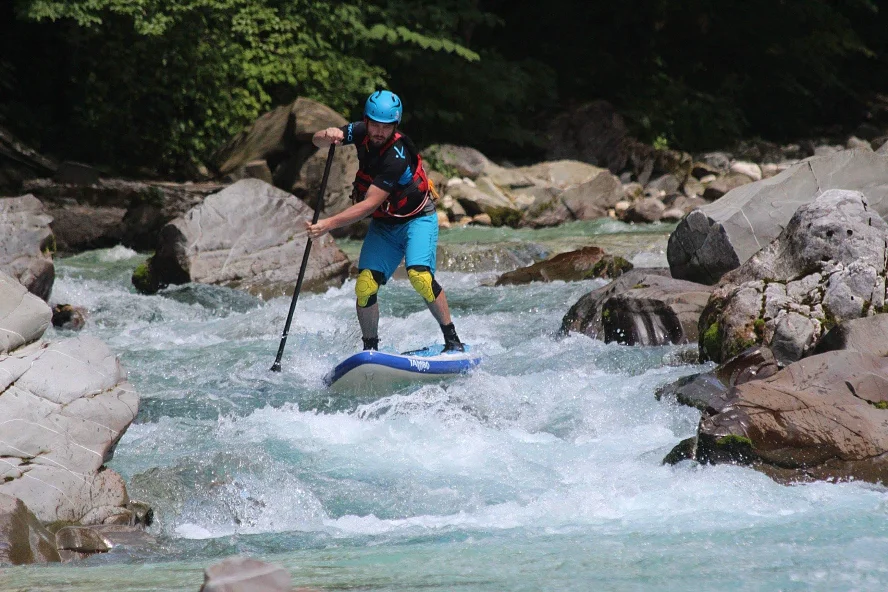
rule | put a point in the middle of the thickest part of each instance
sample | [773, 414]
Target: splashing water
[540, 471]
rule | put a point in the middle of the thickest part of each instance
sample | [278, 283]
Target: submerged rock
[244, 574]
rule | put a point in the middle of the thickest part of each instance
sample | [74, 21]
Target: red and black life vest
[403, 201]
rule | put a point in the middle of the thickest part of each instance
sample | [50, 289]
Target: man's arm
[350, 215]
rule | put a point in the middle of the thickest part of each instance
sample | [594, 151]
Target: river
[539, 471]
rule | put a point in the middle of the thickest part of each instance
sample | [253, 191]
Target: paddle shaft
[276, 367]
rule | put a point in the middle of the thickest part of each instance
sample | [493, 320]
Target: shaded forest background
[154, 86]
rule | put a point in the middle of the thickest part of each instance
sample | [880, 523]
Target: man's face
[380, 133]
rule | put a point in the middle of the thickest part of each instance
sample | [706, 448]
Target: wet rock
[23, 539]
[546, 210]
[823, 417]
[24, 317]
[700, 390]
[26, 244]
[641, 307]
[65, 407]
[243, 574]
[750, 217]
[250, 236]
[586, 263]
[684, 450]
[69, 317]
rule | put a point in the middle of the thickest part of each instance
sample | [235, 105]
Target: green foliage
[161, 84]
[505, 216]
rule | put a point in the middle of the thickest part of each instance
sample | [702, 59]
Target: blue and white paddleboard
[375, 370]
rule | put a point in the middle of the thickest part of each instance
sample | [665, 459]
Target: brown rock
[23, 539]
[588, 262]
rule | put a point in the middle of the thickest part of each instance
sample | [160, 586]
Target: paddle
[276, 367]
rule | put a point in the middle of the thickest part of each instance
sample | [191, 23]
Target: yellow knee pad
[422, 283]
[366, 287]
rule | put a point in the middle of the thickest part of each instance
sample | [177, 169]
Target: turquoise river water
[540, 471]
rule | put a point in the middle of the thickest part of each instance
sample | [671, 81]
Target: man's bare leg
[368, 319]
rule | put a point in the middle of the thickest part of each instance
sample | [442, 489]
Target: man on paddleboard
[392, 185]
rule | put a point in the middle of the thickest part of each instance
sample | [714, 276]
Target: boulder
[65, 406]
[340, 183]
[19, 162]
[26, 243]
[641, 307]
[69, 317]
[699, 390]
[725, 183]
[474, 201]
[455, 161]
[729, 231]
[244, 574]
[867, 335]
[250, 236]
[277, 135]
[593, 133]
[561, 173]
[114, 211]
[592, 199]
[824, 417]
[546, 209]
[827, 266]
[23, 316]
[23, 539]
[586, 263]
[649, 209]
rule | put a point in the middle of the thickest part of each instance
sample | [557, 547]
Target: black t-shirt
[392, 168]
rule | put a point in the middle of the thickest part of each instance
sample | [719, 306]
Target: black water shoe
[370, 343]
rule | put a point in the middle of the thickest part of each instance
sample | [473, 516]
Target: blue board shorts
[387, 244]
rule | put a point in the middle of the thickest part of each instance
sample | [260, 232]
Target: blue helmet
[383, 106]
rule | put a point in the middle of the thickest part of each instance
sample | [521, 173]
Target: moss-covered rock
[504, 216]
[144, 279]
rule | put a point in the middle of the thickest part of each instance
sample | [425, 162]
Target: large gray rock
[641, 307]
[827, 266]
[23, 539]
[26, 243]
[823, 417]
[244, 574]
[250, 236]
[64, 408]
[23, 316]
[729, 231]
[456, 161]
[592, 199]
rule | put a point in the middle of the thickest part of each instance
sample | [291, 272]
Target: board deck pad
[376, 370]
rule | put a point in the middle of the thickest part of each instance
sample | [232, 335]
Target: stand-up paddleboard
[375, 370]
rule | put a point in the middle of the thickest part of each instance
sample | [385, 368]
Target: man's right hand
[325, 137]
